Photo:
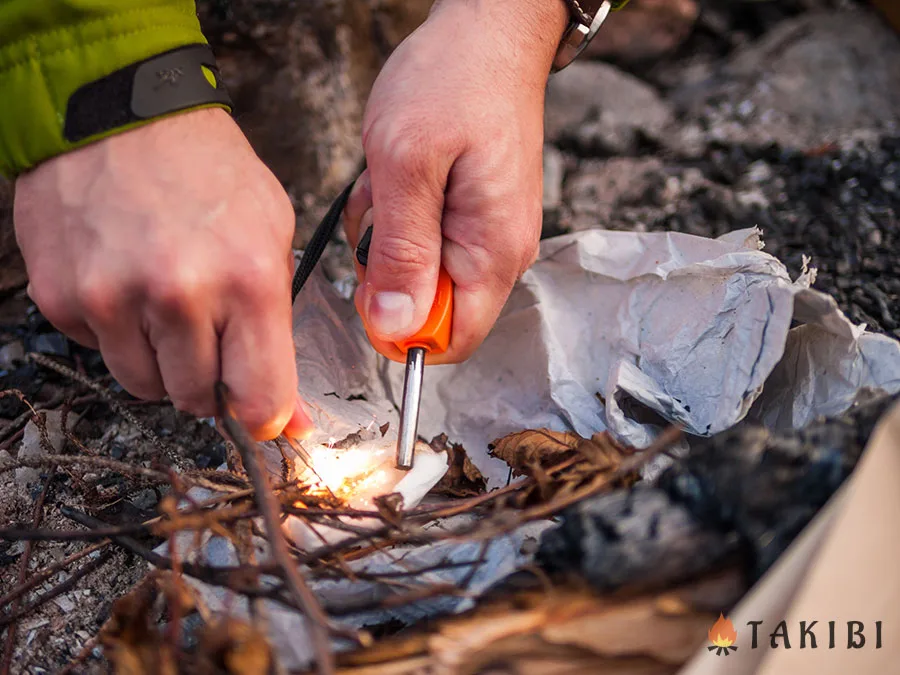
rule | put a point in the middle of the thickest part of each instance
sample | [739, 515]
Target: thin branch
[56, 591]
[113, 403]
[268, 508]
[37, 517]
[42, 576]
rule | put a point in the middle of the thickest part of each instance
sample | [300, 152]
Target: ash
[741, 497]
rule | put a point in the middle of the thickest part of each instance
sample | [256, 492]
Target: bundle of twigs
[553, 471]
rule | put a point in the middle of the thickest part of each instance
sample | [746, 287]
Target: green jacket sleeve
[50, 48]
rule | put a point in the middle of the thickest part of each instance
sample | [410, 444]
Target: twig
[17, 424]
[59, 589]
[37, 517]
[116, 405]
[626, 468]
[227, 577]
[42, 576]
[268, 508]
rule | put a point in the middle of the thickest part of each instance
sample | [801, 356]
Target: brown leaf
[390, 506]
[526, 449]
[130, 639]
[234, 647]
[463, 479]
[891, 11]
[540, 446]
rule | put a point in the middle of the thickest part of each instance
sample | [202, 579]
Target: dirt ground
[777, 115]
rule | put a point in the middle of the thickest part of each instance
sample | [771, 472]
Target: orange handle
[434, 336]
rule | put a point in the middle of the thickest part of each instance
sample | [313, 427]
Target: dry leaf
[390, 506]
[535, 446]
[234, 647]
[131, 641]
[524, 450]
[463, 479]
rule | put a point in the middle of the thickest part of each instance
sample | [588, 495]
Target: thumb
[405, 252]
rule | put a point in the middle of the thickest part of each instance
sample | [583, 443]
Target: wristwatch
[587, 17]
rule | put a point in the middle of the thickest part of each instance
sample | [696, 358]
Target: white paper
[662, 327]
[608, 330]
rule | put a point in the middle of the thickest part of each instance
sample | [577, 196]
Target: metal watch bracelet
[587, 16]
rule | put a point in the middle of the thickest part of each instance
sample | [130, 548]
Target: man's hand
[169, 248]
[453, 136]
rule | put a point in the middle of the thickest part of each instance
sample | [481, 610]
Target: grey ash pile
[840, 207]
[765, 116]
[740, 497]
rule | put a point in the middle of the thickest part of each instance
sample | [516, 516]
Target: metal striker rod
[409, 410]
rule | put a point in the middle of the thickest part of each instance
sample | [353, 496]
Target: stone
[11, 354]
[813, 79]
[644, 31]
[554, 172]
[603, 110]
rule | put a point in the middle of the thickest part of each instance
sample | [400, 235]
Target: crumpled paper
[608, 330]
[611, 330]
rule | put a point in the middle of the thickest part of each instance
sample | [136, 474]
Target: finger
[62, 314]
[257, 361]
[408, 183]
[358, 204]
[108, 311]
[300, 426]
[187, 354]
[383, 347]
[131, 360]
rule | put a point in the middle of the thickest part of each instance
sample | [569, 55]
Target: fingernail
[272, 428]
[391, 314]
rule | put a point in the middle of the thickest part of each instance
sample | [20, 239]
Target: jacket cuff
[40, 72]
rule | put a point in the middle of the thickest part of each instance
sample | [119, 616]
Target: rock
[600, 109]
[145, 499]
[11, 354]
[31, 448]
[554, 172]
[812, 79]
[300, 73]
[12, 266]
[65, 602]
[644, 31]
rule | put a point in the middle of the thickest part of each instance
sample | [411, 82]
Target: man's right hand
[168, 248]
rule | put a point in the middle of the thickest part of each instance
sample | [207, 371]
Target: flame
[350, 474]
[722, 633]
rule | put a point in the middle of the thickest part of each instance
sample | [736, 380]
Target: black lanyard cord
[316, 247]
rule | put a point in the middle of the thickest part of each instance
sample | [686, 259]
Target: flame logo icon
[723, 636]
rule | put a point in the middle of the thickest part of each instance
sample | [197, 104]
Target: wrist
[59, 84]
[531, 29]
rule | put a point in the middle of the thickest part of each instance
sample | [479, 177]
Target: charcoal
[841, 207]
[767, 486]
[740, 496]
[635, 538]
